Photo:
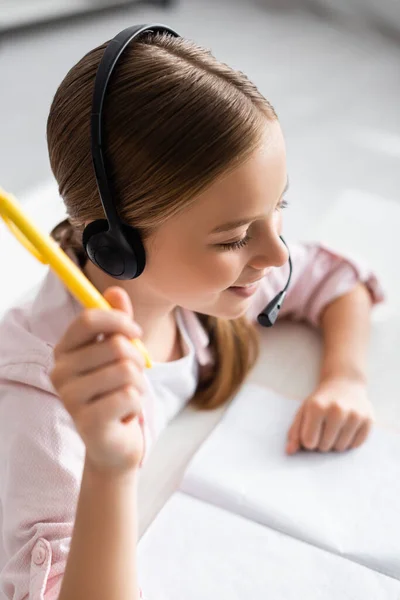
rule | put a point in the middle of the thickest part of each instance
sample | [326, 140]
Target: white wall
[386, 12]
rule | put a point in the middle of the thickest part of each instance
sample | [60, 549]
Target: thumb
[119, 299]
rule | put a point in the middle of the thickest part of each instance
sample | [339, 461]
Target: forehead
[254, 187]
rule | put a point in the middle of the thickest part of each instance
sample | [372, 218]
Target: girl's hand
[337, 416]
[101, 383]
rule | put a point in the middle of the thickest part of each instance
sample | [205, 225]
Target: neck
[154, 315]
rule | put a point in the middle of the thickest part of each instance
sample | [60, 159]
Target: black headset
[113, 246]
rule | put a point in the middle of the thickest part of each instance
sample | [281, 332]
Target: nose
[273, 254]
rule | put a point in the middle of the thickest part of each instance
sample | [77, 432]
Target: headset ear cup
[120, 254]
[98, 226]
[134, 240]
[102, 249]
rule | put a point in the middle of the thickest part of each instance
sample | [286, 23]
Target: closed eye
[245, 240]
[237, 244]
[282, 204]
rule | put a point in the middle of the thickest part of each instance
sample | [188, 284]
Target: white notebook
[197, 551]
[347, 504]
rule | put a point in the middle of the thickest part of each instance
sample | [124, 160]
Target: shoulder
[320, 273]
[29, 332]
[36, 431]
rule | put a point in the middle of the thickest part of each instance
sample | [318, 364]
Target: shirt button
[39, 554]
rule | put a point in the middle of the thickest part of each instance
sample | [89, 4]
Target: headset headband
[106, 67]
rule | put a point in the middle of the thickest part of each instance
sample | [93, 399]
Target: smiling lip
[247, 290]
[244, 292]
[249, 283]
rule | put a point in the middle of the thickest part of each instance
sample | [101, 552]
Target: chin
[220, 307]
[234, 314]
[228, 312]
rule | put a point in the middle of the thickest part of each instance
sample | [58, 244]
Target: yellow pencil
[47, 251]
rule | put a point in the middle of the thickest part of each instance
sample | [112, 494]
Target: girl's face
[196, 256]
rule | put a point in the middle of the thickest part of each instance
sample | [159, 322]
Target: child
[192, 146]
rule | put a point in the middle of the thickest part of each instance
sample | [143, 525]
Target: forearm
[102, 558]
[345, 325]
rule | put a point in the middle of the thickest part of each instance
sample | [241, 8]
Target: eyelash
[244, 241]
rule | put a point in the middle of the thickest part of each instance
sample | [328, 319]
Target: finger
[348, 431]
[122, 405]
[334, 422]
[311, 428]
[119, 299]
[93, 356]
[87, 388]
[362, 433]
[293, 438]
[92, 322]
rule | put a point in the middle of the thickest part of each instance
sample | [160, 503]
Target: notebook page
[347, 503]
[197, 551]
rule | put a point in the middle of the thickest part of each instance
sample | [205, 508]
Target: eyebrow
[234, 224]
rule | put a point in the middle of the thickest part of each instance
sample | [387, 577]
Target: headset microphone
[270, 313]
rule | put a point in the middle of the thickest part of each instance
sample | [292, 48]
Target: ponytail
[69, 240]
[235, 349]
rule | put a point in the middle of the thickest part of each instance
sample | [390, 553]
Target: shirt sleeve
[41, 465]
[319, 276]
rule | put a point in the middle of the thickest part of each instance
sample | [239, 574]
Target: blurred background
[331, 68]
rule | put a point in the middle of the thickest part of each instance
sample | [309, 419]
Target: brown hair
[175, 120]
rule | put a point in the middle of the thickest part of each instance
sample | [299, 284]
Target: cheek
[227, 267]
[192, 272]
[211, 272]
